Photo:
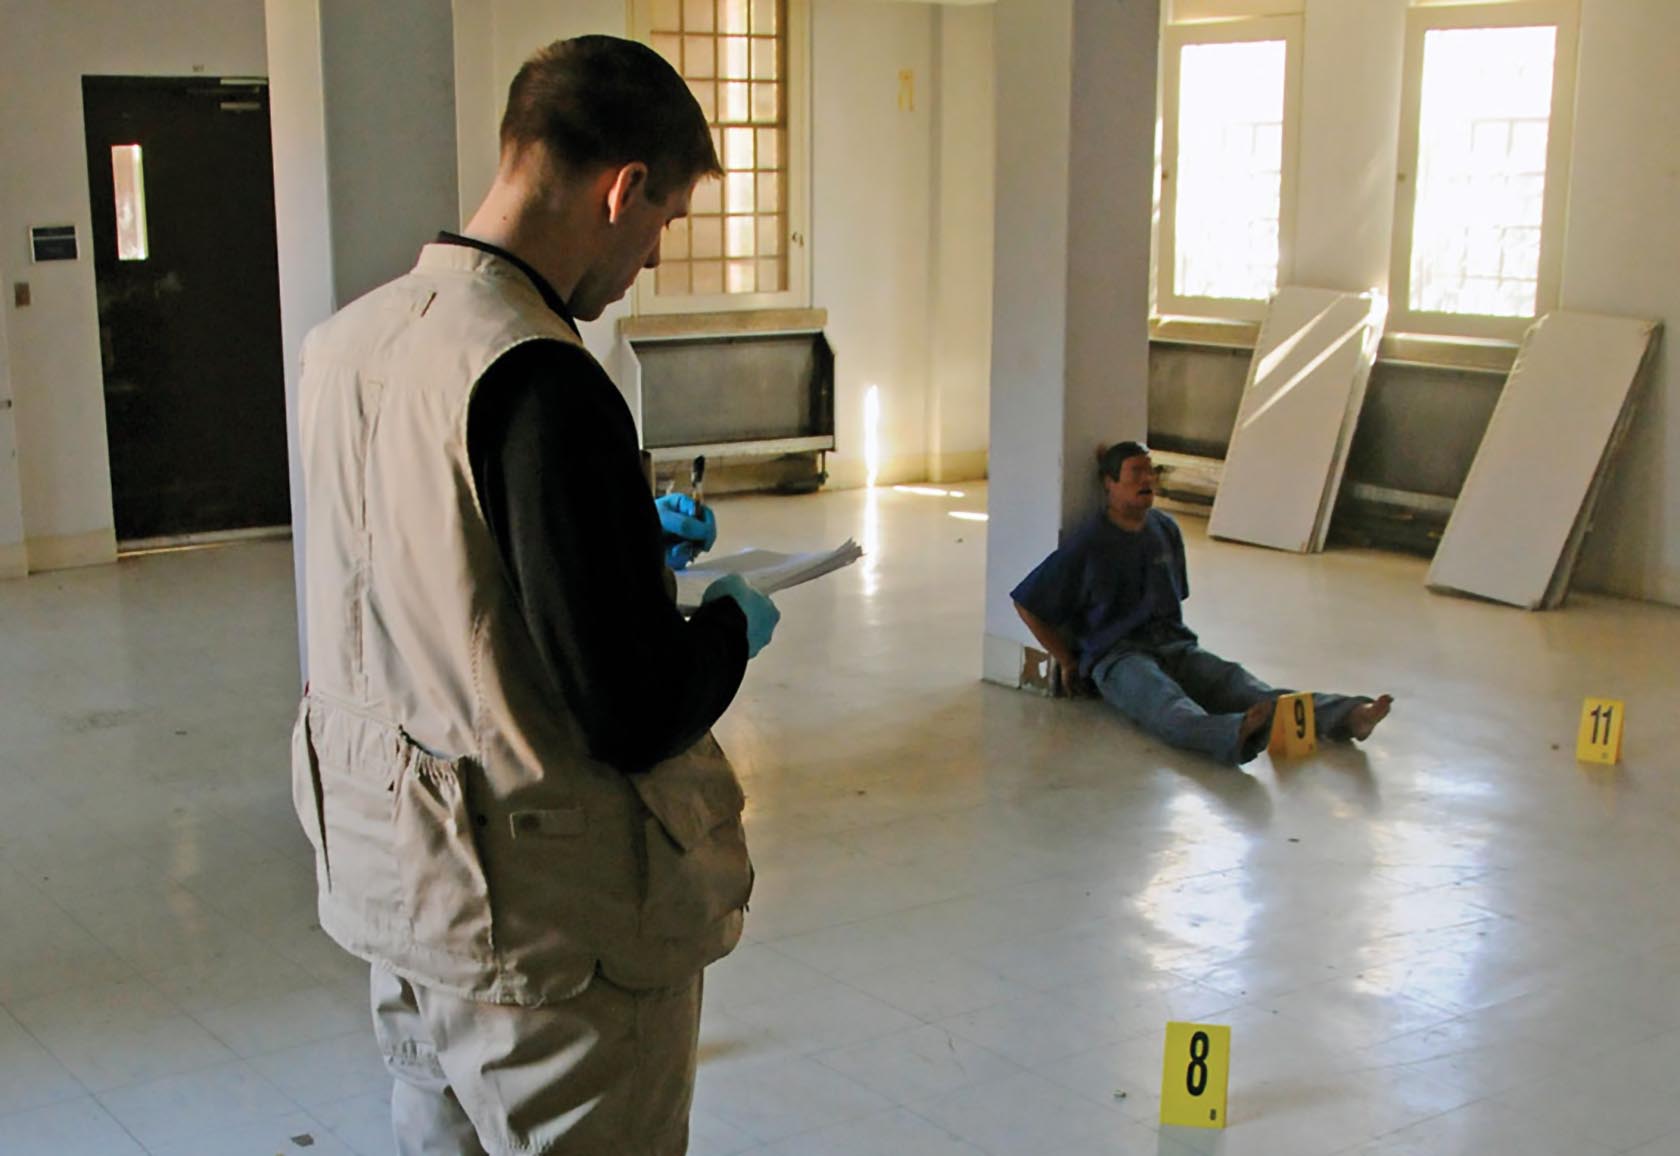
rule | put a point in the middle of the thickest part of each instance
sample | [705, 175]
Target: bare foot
[1363, 719]
[1254, 719]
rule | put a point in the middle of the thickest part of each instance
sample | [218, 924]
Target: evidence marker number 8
[1195, 1080]
[1196, 1074]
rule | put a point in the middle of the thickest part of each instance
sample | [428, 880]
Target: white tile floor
[976, 909]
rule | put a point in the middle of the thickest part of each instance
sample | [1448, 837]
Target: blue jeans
[1192, 698]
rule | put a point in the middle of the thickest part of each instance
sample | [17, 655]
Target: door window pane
[128, 173]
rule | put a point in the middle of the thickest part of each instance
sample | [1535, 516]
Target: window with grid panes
[1481, 171]
[1484, 151]
[733, 53]
[1229, 107]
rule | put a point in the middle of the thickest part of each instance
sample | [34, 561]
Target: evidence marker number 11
[1195, 1075]
[1600, 738]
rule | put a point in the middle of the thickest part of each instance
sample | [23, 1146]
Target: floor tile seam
[315, 1114]
[853, 1084]
[818, 1057]
[295, 1108]
[1095, 1130]
[1502, 1100]
[863, 1119]
[82, 1090]
[920, 1018]
[236, 1061]
[191, 1070]
[1040, 1062]
[1479, 1101]
[1244, 997]
[245, 1057]
[111, 1116]
[134, 975]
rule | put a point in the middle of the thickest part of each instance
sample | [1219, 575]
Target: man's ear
[628, 182]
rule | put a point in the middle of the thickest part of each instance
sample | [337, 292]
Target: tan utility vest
[464, 837]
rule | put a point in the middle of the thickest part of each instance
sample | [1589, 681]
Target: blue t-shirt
[1106, 586]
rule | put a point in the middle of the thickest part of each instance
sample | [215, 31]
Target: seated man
[1106, 606]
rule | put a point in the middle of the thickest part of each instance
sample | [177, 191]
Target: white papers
[1524, 510]
[1305, 389]
[765, 570]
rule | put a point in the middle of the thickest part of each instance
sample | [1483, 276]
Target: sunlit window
[1230, 169]
[128, 174]
[1484, 154]
[733, 53]
[1228, 103]
[1483, 124]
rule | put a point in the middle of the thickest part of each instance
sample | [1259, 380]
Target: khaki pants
[609, 1071]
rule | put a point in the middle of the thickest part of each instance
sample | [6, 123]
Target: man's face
[637, 226]
[1134, 489]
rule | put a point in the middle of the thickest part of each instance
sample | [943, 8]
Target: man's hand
[1050, 638]
[689, 532]
[761, 613]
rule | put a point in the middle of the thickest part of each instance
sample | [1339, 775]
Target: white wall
[1624, 237]
[492, 39]
[964, 160]
[46, 47]
[871, 209]
[1350, 142]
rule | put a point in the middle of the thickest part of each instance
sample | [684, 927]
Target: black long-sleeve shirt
[558, 467]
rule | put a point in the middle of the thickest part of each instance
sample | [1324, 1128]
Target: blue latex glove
[761, 613]
[687, 534]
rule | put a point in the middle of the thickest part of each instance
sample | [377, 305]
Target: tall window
[1482, 171]
[736, 247]
[1227, 172]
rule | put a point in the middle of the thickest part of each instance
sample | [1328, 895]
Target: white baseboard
[69, 551]
[960, 467]
[1001, 660]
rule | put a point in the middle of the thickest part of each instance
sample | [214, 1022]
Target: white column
[1076, 101]
[362, 113]
[14, 559]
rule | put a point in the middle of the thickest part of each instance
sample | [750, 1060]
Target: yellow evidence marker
[1293, 731]
[1195, 1075]
[1600, 737]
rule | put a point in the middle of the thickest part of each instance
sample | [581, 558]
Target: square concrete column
[362, 107]
[1076, 108]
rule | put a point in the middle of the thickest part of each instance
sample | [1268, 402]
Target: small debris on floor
[304, 1141]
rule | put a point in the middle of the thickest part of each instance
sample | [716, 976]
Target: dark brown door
[182, 184]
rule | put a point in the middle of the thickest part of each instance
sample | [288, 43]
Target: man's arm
[1053, 640]
[554, 454]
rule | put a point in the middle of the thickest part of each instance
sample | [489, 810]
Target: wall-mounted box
[52, 243]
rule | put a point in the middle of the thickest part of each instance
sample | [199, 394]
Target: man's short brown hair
[600, 101]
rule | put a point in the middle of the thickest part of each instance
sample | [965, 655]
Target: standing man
[504, 758]
[1108, 606]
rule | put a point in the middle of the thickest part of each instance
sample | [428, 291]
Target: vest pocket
[405, 885]
[437, 858]
[698, 870]
[307, 797]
